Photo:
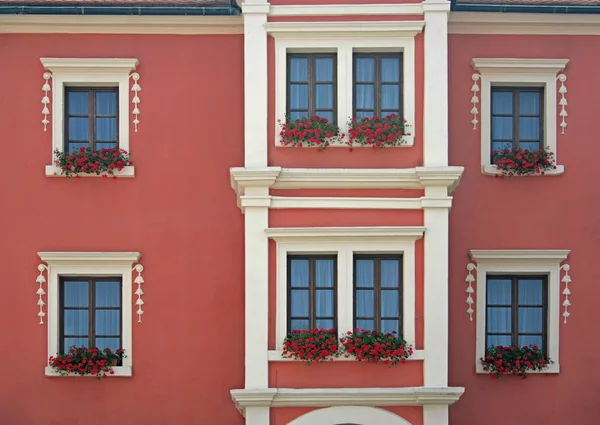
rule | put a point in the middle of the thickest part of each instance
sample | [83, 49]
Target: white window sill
[553, 368]
[122, 371]
[53, 171]
[275, 356]
[407, 142]
[492, 170]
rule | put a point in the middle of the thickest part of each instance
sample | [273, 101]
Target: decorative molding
[566, 292]
[331, 234]
[347, 9]
[90, 65]
[139, 292]
[562, 91]
[519, 65]
[275, 356]
[136, 89]
[40, 292]
[519, 255]
[46, 99]
[470, 279]
[66, 258]
[89, 24]
[326, 397]
[364, 415]
[475, 99]
[316, 29]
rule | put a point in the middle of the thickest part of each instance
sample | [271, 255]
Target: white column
[435, 414]
[257, 415]
[255, 83]
[435, 116]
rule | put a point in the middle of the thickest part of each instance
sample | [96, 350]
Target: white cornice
[345, 29]
[325, 397]
[61, 24]
[518, 255]
[347, 9]
[519, 66]
[328, 234]
[56, 258]
[90, 64]
[523, 23]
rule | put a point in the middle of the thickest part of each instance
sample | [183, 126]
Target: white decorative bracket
[136, 89]
[562, 90]
[46, 99]
[475, 100]
[470, 279]
[139, 292]
[40, 292]
[566, 292]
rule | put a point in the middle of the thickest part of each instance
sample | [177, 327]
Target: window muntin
[312, 289]
[517, 118]
[378, 293]
[91, 118]
[516, 311]
[311, 86]
[377, 85]
[90, 312]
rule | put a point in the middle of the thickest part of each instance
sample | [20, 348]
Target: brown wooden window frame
[516, 91]
[377, 81]
[312, 288]
[514, 306]
[377, 290]
[91, 308]
[91, 116]
[311, 83]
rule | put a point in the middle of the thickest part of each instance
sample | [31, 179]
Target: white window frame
[344, 243]
[344, 48]
[520, 262]
[95, 72]
[519, 73]
[117, 264]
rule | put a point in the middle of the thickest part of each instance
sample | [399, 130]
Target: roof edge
[524, 8]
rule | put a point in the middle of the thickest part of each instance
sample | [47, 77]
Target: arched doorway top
[342, 415]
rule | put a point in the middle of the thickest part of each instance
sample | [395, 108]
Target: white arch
[350, 415]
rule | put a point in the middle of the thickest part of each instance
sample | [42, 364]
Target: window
[312, 288]
[377, 84]
[90, 312]
[517, 309]
[92, 118]
[312, 87]
[378, 293]
[517, 118]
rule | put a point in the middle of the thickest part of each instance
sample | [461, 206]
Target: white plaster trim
[54, 171]
[492, 170]
[523, 23]
[280, 202]
[326, 397]
[88, 71]
[520, 262]
[320, 36]
[276, 356]
[344, 243]
[519, 72]
[91, 264]
[347, 9]
[88, 24]
[119, 371]
[350, 414]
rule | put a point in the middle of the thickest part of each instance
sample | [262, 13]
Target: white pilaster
[435, 414]
[435, 117]
[255, 83]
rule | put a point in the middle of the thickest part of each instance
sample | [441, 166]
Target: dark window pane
[299, 273]
[365, 272]
[365, 303]
[106, 103]
[75, 342]
[529, 128]
[529, 103]
[299, 69]
[390, 70]
[390, 97]
[532, 146]
[108, 322]
[368, 325]
[298, 96]
[324, 96]
[502, 102]
[531, 340]
[106, 128]
[324, 303]
[365, 96]
[79, 128]
[325, 324]
[390, 303]
[501, 145]
[325, 114]
[299, 324]
[76, 322]
[112, 343]
[79, 103]
[530, 320]
[530, 291]
[499, 291]
[75, 294]
[502, 128]
[499, 319]
[389, 273]
[296, 115]
[364, 114]
[389, 326]
[74, 147]
[299, 302]
[324, 273]
[503, 340]
[365, 69]
[324, 69]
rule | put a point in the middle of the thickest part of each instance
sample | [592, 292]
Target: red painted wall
[179, 212]
[528, 213]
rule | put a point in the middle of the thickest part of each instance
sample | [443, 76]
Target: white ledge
[553, 368]
[519, 66]
[307, 202]
[492, 170]
[86, 64]
[120, 371]
[345, 28]
[325, 397]
[328, 234]
[276, 356]
[110, 258]
[519, 255]
[407, 142]
[128, 171]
